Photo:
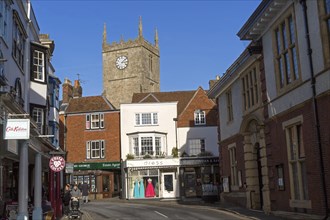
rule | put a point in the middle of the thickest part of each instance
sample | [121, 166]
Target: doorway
[168, 185]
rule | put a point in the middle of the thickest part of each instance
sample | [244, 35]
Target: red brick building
[91, 138]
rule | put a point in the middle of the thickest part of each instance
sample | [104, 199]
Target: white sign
[17, 129]
[153, 163]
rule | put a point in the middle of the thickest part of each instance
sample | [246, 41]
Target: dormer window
[199, 117]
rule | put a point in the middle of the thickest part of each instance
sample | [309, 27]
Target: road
[154, 210]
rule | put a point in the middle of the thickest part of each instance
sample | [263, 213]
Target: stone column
[251, 172]
[37, 211]
[265, 175]
[23, 182]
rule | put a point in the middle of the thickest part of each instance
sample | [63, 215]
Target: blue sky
[197, 39]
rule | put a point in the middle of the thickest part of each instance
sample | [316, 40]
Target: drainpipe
[315, 109]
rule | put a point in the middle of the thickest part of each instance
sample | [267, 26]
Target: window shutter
[88, 150]
[88, 122]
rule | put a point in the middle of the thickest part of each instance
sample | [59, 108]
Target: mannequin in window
[136, 193]
[150, 191]
[141, 188]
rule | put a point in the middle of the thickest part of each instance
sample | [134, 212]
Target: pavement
[224, 206]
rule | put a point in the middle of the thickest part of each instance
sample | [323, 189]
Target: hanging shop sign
[56, 163]
[17, 129]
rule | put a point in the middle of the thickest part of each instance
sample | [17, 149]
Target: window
[196, 146]
[146, 146]
[324, 7]
[151, 144]
[233, 167]
[4, 21]
[296, 159]
[199, 117]
[95, 149]
[18, 42]
[286, 55]
[250, 88]
[146, 119]
[150, 63]
[94, 121]
[230, 116]
[38, 116]
[38, 66]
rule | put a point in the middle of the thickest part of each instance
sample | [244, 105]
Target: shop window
[106, 183]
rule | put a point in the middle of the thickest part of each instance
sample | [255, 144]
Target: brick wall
[200, 101]
[77, 136]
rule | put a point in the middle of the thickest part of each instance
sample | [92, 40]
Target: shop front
[151, 178]
[200, 178]
[103, 178]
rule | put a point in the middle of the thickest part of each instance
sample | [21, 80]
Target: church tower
[129, 67]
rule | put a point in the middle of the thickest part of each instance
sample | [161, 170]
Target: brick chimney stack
[77, 89]
[67, 91]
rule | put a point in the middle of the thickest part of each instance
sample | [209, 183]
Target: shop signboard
[17, 129]
[56, 163]
[69, 168]
[96, 166]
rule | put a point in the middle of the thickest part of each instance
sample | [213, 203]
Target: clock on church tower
[129, 67]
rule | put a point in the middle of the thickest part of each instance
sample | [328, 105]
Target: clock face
[121, 62]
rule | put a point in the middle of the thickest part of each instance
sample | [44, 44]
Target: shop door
[168, 185]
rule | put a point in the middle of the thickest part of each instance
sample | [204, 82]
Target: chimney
[213, 82]
[77, 90]
[67, 91]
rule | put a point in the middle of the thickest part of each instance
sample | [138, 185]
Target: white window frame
[95, 149]
[18, 50]
[250, 88]
[286, 52]
[157, 143]
[234, 180]
[38, 116]
[297, 163]
[196, 146]
[4, 18]
[94, 121]
[38, 66]
[199, 117]
[146, 118]
[230, 115]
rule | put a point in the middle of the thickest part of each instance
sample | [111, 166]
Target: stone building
[130, 67]
[273, 107]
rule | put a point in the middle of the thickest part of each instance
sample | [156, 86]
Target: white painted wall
[208, 133]
[302, 93]
[166, 112]
[228, 129]
[38, 93]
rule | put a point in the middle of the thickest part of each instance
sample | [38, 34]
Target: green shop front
[103, 178]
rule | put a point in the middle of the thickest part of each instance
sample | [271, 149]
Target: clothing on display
[141, 189]
[150, 191]
[136, 192]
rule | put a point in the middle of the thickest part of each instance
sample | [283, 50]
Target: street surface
[99, 210]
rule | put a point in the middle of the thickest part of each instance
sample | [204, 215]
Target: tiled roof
[89, 104]
[182, 97]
